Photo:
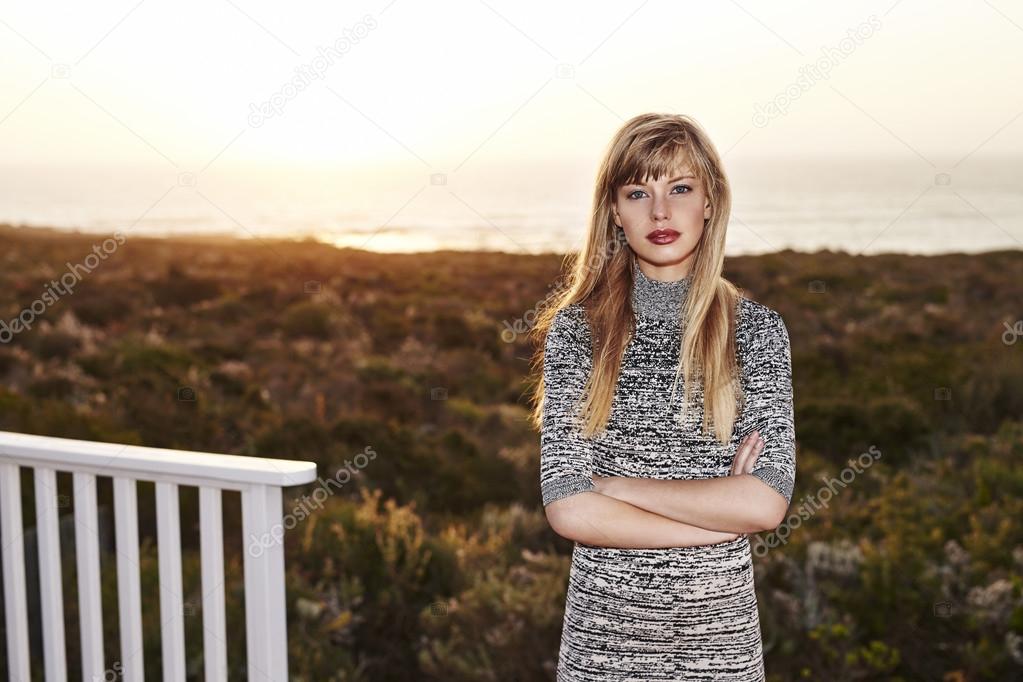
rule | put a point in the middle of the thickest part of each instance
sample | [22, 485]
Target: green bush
[308, 318]
[55, 344]
[178, 288]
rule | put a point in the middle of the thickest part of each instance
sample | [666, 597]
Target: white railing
[260, 482]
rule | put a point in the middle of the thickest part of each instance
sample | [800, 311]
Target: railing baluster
[259, 480]
[168, 534]
[12, 536]
[263, 548]
[51, 587]
[90, 613]
[129, 593]
[214, 620]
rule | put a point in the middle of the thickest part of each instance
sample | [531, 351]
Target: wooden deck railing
[259, 481]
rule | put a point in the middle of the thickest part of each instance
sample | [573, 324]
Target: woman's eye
[633, 193]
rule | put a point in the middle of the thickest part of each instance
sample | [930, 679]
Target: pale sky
[428, 87]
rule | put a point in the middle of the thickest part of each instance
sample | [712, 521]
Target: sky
[393, 96]
[423, 86]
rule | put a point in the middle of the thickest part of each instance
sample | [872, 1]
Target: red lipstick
[665, 236]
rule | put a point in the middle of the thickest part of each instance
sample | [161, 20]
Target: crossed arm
[596, 519]
[643, 512]
[646, 512]
[729, 504]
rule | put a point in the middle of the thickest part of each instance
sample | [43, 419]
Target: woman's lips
[663, 236]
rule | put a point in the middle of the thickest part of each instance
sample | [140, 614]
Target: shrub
[308, 318]
[181, 289]
[55, 344]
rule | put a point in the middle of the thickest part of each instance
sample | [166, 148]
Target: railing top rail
[135, 461]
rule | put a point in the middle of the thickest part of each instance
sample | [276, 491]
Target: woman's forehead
[670, 175]
[661, 166]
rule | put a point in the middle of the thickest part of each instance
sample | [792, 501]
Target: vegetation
[433, 559]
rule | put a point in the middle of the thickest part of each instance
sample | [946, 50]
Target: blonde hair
[601, 278]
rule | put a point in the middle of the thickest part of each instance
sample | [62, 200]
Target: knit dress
[680, 613]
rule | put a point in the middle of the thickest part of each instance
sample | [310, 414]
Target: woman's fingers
[737, 460]
[756, 447]
[739, 463]
[746, 455]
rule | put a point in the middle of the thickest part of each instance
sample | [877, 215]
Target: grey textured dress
[681, 613]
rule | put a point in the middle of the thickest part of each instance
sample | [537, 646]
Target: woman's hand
[746, 455]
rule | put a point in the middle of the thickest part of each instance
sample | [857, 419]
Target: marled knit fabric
[682, 613]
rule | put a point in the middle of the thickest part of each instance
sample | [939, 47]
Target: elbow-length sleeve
[565, 456]
[767, 385]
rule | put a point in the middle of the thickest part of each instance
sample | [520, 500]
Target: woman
[658, 490]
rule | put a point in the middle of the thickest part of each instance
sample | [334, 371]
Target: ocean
[859, 206]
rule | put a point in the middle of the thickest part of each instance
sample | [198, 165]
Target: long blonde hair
[601, 279]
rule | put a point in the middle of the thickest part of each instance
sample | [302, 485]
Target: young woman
[658, 487]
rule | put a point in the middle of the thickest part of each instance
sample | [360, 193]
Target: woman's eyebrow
[681, 177]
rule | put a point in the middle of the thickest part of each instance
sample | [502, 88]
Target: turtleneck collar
[654, 299]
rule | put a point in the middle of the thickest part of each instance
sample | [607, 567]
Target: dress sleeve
[767, 372]
[565, 456]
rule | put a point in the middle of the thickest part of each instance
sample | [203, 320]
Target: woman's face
[663, 221]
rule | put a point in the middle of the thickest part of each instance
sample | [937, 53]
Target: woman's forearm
[596, 519]
[736, 504]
